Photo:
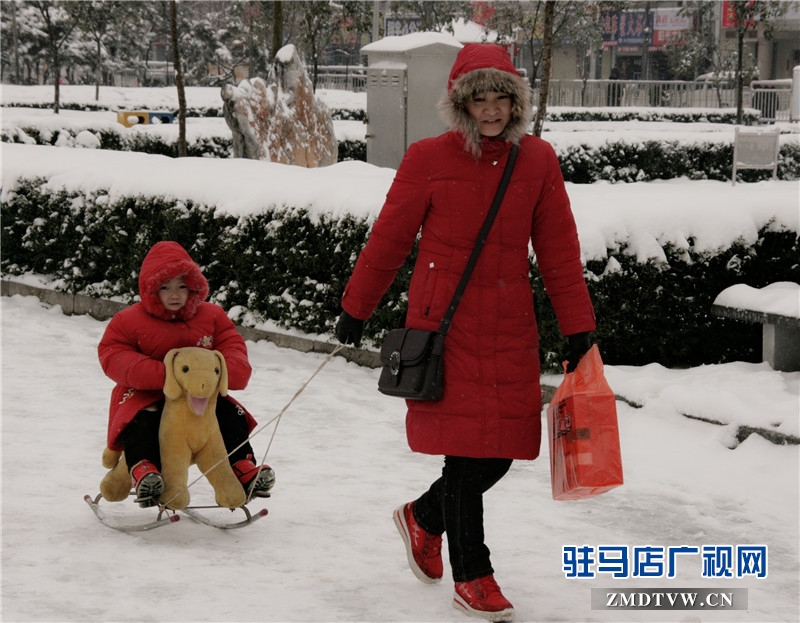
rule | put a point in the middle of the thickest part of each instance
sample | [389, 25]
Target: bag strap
[444, 326]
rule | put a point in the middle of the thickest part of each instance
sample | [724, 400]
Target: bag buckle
[394, 363]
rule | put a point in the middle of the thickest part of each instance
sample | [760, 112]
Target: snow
[469, 32]
[328, 550]
[286, 54]
[643, 215]
[781, 298]
[236, 186]
[407, 43]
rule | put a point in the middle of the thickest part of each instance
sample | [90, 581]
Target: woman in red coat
[172, 314]
[491, 410]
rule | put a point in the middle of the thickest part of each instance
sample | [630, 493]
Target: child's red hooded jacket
[137, 338]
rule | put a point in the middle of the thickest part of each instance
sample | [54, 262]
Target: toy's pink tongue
[198, 404]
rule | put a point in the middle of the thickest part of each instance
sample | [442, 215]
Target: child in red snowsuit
[172, 313]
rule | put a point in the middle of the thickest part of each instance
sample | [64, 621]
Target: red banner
[729, 13]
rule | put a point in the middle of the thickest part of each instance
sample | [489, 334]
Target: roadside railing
[663, 93]
[343, 77]
[771, 97]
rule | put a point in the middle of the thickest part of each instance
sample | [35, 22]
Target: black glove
[579, 344]
[349, 330]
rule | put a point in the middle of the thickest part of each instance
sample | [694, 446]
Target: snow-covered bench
[777, 308]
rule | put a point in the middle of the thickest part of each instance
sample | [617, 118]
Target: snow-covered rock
[281, 120]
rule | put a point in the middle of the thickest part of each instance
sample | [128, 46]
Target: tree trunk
[176, 60]
[14, 41]
[98, 73]
[740, 78]
[56, 80]
[277, 28]
[547, 61]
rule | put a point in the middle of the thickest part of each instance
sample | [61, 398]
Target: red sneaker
[424, 550]
[146, 480]
[257, 481]
[482, 598]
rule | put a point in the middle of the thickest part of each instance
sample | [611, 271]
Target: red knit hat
[164, 261]
[478, 68]
[480, 56]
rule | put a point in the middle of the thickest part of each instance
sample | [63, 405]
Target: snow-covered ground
[561, 135]
[328, 550]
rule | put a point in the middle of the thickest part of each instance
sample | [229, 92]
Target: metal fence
[771, 97]
[664, 93]
[344, 77]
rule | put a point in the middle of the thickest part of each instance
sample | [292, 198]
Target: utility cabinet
[406, 78]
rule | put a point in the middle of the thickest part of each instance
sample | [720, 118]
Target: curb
[102, 309]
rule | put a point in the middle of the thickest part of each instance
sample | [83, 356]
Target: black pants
[140, 437]
[454, 504]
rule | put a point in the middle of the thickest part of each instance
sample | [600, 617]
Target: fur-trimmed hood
[165, 261]
[481, 67]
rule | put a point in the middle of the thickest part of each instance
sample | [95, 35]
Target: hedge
[581, 164]
[750, 116]
[119, 140]
[343, 114]
[284, 266]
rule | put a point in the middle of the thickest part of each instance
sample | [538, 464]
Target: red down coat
[492, 397]
[137, 338]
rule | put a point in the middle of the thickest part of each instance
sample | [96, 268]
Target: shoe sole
[262, 484]
[149, 490]
[402, 528]
[496, 617]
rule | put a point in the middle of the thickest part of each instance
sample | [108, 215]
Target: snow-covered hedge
[346, 114]
[582, 164]
[118, 139]
[286, 266]
[663, 160]
[675, 115]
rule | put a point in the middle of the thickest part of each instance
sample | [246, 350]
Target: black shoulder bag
[412, 358]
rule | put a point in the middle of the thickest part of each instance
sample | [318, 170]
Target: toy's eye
[216, 370]
[185, 368]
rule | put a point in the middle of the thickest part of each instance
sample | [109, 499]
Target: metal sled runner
[166, 516]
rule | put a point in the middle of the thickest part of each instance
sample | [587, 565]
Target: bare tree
[58, 24]
[434, 14]
[547, 59]
[96, 19]
[523, 21]
[277, 27]
[176, 56]
[750, 15]
[15, 39]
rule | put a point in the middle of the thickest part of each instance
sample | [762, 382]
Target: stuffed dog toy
[189, 433]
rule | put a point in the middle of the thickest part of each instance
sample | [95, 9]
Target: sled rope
[276, 419]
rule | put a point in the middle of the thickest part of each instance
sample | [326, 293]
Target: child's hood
[165, 261]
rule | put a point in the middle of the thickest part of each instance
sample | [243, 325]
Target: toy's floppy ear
[172, 389]
[223, 373]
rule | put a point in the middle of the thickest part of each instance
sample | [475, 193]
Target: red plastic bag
[585, 458]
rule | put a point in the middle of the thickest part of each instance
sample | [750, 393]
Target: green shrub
[663, 311]
[617, 161]
[284, 266]
[750, 116]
